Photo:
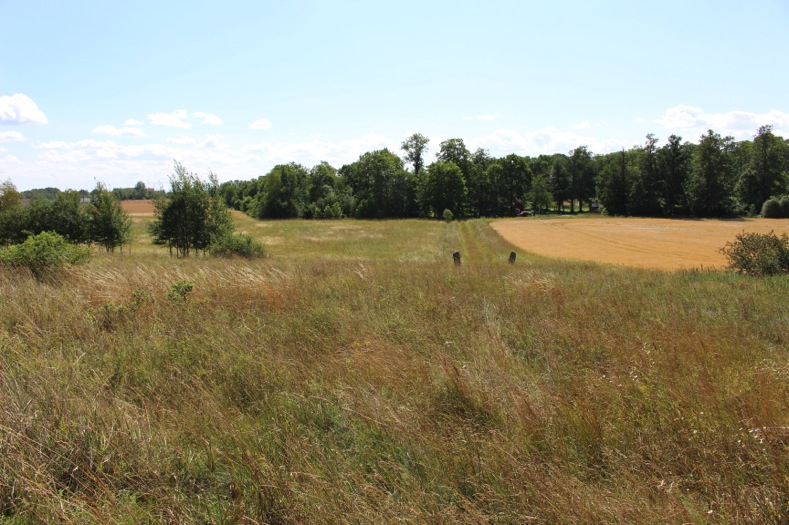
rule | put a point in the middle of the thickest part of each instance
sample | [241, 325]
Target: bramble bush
[758, 254]
[44, 254]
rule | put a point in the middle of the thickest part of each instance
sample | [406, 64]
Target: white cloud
[176, 119]
[53, 144]
[484, 118]
[11, 136]
[581, 125]
[261, 123]
[181, 118]
[182, 141]
[742, 125]
[20, 109]
[207, 118]
[132, 122]
[126, 131]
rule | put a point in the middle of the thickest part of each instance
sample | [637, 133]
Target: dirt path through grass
[665, 244]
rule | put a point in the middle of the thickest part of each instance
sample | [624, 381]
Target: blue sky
[115, 91]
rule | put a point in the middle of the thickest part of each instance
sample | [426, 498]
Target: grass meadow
[356, 375]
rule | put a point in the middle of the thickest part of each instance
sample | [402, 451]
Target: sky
[114, 92]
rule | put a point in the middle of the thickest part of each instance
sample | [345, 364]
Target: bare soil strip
[664, 244]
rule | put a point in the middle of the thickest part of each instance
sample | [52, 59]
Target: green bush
[771, 209]
[785, 207]
[758, 254]
[44, 254]
[448, 216]
[238, 245]
[180, 290]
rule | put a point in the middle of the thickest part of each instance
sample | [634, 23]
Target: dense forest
[714, 177]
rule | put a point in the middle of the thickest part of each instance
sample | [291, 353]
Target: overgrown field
[357, 376]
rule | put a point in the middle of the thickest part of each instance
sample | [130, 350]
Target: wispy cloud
[126, 131]
[181, 118]
[484, 118]
[20, 109]
[261, 123]
[207, 118]
[176, 119]
[11, 136]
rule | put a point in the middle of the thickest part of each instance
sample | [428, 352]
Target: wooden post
[512, 257]
[456, 258]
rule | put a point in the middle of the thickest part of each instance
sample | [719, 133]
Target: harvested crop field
[664, 244]
[139, 207]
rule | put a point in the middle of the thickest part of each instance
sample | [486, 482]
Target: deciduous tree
[192, 216]
[109, 225]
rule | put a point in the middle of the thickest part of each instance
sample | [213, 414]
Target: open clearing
[665, 244]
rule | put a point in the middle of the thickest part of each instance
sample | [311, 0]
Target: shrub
[44, 254]
[785, 207]
[771, 209]
[758, 254]
[239, 245]
[448, 215]
[180, 290]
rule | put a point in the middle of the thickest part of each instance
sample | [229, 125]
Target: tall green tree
[539, 195]
[614, 182]
[559, 180]
[444, 188]
[9, 196]
[380, 184]
[510, 179]
[11, 214]
[109, 225]
[415, 147]
[481, 197]
[711, 183]
[674, 161]
[286, 192]
[192, 215]
[581, 170]
[455, 151]
[65, 215]
[766, 175]
[645, 191]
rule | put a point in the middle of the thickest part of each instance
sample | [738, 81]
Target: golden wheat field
[138, 207]
[664, 244]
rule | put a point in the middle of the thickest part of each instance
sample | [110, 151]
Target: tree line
[715, 177]
[98, 219]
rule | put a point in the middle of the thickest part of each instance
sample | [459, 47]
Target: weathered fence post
[456, 258]
[512, 257]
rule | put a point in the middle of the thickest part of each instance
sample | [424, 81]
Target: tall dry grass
[358, 376]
